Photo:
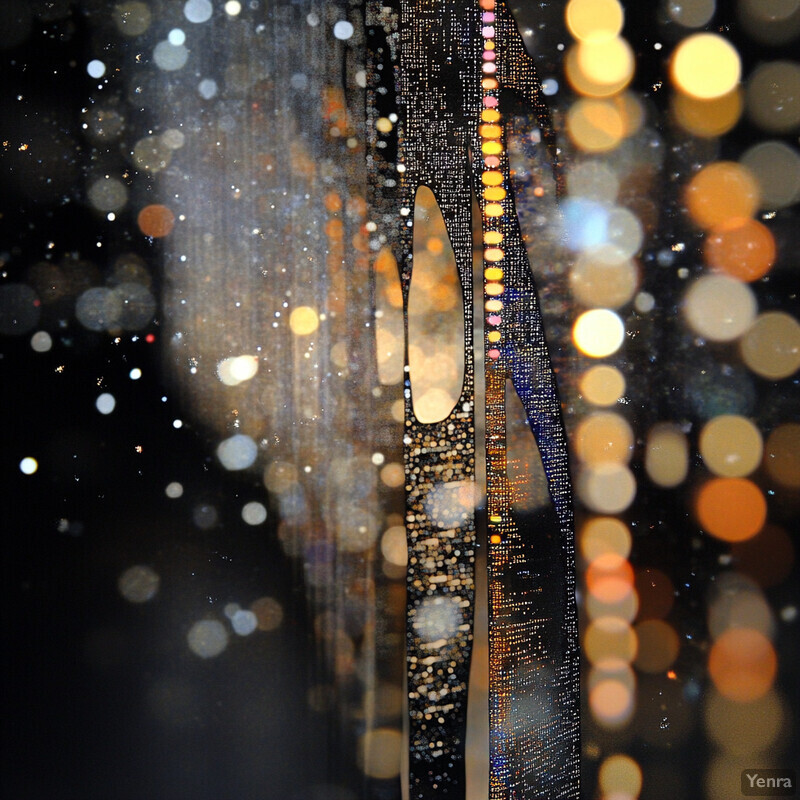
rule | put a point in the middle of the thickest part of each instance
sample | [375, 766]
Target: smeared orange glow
[656, 593]
[707, 118]
[604, 436]
[658, 646]
[600, 69]
[609, 578]
[620, 777]
[744, 248]
[609, 637]
[601, 535]
[767, 558]
[595, 125]
[334, 228]
[721, 191]
[333, 202]
[742, 663]
[611, 702]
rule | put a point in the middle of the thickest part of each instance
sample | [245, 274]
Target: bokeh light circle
[706, 65]
[658, 646]
[602, 385]
[609, 637]
[592, 20]
[771, 346]
[708, 118]
[772, 96]
[207, 638]
[598, 333]
[607, 488]
[744, 728]
[721, 191]
[601, 535]
[139, 583]
[782, 455]
[776, 167]
[303, 320]
[731, 446]
[156, 220]
[620, 777]
[604, 436]
[691, 13]
[742, 248]
[731, 509]
[742, 664]
[719, 308]
[667, 455]
[596, 125]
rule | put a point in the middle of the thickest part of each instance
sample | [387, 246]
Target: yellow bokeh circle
[706, 65]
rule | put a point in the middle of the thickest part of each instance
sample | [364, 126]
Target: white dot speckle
[645, 302]
[207, 638]
[549, 87]
[105, 403]
[254, 513]
[174, 490]
[28, 465]
[135, 374]
[96, 68]
[343, 30]
[207, 88]
[139, 583]
[176, 36]
[41, 341]
[244, 622]
[237, 452]
[198, 10]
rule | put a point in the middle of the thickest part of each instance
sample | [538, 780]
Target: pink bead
[488, 31]
[489, 68]
[488, 55]
[489, 101]
[494, 354]
[488, 16]
[491, 161]
[494, 319]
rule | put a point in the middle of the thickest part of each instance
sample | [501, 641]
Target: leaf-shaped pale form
[435, 315]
